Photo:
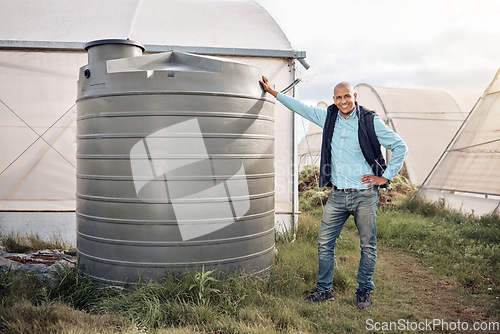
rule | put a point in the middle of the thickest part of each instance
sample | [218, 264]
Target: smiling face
[345, 98]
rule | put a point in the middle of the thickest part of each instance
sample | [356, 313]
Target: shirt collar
[353, 115]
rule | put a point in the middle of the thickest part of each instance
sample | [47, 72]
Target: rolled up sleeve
[315, 115]
[393, 142]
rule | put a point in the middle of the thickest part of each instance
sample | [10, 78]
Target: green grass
[227, 304]
[16, 242]
[457, 247]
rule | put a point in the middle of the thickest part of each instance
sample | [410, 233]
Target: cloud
[453, 59]
[429, 44]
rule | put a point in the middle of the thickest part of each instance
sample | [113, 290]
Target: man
[351, 162]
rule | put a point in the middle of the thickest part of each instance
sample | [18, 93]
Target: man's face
[344, 98]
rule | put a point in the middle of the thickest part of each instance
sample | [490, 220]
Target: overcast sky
[448, 44]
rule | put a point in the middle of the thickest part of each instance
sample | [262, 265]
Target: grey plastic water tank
[175, 164]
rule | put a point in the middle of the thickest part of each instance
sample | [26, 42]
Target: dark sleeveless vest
[368, 142]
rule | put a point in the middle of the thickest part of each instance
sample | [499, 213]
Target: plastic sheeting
[426, 119]
[225, 24]
[38, 87]
[38, 129]
[39, 171]
[309, 151]
[467, 174]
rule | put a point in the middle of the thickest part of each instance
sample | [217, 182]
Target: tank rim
[113, 41]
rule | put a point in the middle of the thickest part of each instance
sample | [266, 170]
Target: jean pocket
[369, 192]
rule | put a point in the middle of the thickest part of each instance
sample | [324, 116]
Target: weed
[202, 286]
[286, 235]
[310, 194]
[74, 287]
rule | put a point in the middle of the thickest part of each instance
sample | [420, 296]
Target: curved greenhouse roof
[427, 120]
[155, 23]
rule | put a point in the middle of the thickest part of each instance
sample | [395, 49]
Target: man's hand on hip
[373, 180]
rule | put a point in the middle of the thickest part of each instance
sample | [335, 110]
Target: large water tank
[175, 164]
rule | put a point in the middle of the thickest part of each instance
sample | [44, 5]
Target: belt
[346, 190]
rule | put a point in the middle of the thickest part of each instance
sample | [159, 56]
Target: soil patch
[443, 296]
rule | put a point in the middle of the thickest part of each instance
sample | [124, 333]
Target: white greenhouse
[466, 174]
[41, 51]
[427, 119]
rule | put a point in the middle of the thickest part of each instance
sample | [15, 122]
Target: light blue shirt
[349, 164]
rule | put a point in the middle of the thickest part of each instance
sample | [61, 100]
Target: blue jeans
[340, 205]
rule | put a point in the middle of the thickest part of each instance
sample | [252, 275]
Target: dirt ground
[443, 296]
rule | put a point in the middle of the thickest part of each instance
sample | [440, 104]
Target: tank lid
[113, 41]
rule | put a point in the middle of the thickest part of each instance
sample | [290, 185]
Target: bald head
[344, 84]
